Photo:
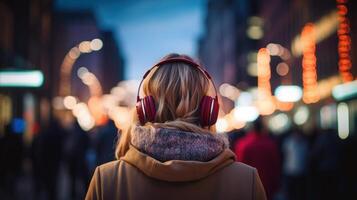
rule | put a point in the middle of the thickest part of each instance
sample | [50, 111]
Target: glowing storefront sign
[33, 78]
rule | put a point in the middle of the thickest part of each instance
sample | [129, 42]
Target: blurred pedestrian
[259, 150]
[295, 149]
[11, 157]
[326, 160]
[349, 166]
[75, 150]
[234, 136]
[46, 159]
[173, 153]
[105, 141]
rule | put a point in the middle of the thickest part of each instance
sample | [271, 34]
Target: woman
[170, 151]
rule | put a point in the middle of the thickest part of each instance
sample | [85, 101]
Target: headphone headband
[178, 59]
[209, 106]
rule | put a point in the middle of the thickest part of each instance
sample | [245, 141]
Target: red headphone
[209, 106]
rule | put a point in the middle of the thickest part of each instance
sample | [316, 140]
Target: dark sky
[147, 29]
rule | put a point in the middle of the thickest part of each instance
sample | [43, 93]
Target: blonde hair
[177, 89]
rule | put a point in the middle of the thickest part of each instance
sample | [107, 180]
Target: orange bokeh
[344, 42]
[309, 74]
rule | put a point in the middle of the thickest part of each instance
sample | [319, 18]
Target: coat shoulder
[239, 173]
[240, 180]
[110, 165]
[240, 167]
[109, 169]
[114, 170]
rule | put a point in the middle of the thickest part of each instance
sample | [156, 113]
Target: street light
[70, 59]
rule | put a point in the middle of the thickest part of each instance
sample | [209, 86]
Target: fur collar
[170, 144]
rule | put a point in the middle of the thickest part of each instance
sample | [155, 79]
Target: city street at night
[75, 88]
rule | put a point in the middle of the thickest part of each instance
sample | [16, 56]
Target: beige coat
[139, 176]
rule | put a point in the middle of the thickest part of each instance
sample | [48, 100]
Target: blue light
[18, 125]
[345, 91]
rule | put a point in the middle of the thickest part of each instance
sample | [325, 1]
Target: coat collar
[174, 155]
[177, 170]
[171, 144]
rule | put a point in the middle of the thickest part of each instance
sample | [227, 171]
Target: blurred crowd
[299, 165]
[58, 164]
[293, 165]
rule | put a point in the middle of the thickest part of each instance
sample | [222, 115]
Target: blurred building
[233, 35]
[25, 43]
[217, 48]
[70, 30]
[112, 62]
[237, 29]
[34, 36]
[284, 21]
[225, 48]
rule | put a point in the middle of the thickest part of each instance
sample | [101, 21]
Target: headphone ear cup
[204, 114]
[209, 111]
[150, 109]
[146, 110]
[214, 111]
[140, 111]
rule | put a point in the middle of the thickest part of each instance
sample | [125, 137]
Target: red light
[344, 42]
[309, 76]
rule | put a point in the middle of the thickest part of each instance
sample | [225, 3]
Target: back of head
[177, 89]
